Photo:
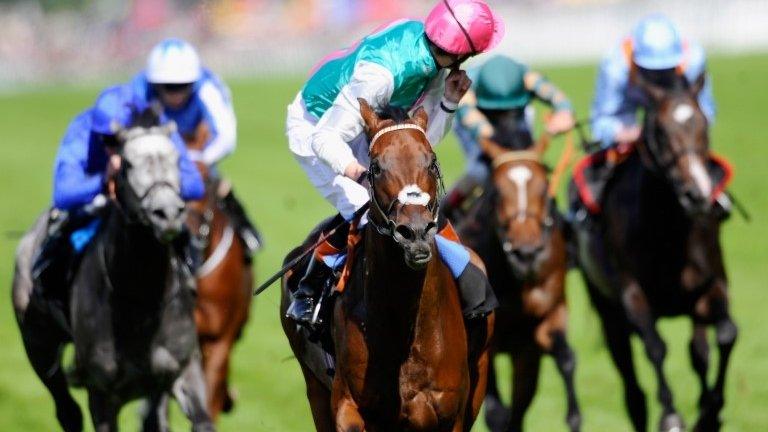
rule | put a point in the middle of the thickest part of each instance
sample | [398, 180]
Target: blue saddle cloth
[81, 237]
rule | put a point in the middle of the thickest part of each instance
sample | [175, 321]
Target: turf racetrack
[285, 206]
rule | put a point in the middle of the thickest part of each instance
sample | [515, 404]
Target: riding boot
[190, 256]
[317, 278]
[247, 231]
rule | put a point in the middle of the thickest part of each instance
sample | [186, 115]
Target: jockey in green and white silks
[406, 64]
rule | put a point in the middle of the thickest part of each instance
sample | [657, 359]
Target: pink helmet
[464, 27]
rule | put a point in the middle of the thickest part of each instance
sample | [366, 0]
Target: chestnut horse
[403, 357]
[224, 284]
[654, 251]
[518, 232]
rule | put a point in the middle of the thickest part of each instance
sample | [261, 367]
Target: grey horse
[129, 309]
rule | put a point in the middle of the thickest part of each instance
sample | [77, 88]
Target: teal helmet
[500, 84]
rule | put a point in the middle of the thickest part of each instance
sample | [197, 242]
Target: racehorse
[403, 358]
[131, 304]
[655, 251]
[224, 285]
[517, 230]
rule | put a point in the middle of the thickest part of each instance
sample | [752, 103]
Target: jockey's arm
[220, 117]
[546, 92]
[342, 122]
[610, 113]
[73, 186]
[438, 109]
[191, 184]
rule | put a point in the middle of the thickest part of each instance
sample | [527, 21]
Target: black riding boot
[247, 231]
[190, 256]
[318, 278]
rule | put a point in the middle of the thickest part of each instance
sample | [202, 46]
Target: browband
[394, 128]
[514, 156]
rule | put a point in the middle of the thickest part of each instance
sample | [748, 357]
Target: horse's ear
[370, 118]
[652, 90]
[540, 146]
[420, 117]
[698, 84]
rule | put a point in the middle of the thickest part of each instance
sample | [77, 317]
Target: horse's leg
[641, 317]
[525, 378]
[496, 414]
[479, 335]
[347, 416]
[156, 413]
[617, 334]
[726, 333]
[699, 351]
[556, 344]
[189, 391]
[44, 353]
[216, 371]
[104, 409]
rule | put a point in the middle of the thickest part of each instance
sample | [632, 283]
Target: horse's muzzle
[166, 213]
[416, 240]
[524, 259]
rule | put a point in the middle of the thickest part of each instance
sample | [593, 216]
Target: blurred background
[56, 55]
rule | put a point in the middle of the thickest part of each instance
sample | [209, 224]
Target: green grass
[285, 206]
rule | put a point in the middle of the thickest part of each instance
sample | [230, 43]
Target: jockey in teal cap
[498, 108]
[406, 64]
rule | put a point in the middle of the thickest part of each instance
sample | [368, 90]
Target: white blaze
[520, 175]
[700, 177]
[682, 113]
[413, 195]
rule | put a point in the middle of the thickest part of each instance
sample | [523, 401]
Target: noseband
[388, 228]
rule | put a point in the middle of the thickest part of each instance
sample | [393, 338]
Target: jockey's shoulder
[614, 63]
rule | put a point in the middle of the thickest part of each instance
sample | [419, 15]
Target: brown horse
[654, 251]
[403, 357]
[224, 285]
[517, 231]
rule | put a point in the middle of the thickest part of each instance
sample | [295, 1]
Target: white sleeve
[439, 123]
[342, 122]
[222, 121]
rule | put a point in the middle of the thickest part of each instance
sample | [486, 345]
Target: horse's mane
[396, 114]
[146, 117]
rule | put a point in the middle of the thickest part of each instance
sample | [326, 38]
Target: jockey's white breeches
[343, 193]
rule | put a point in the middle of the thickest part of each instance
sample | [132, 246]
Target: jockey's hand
[560, 122]
[628, 134]
[354, 170]
[456, 85]
[113, 167]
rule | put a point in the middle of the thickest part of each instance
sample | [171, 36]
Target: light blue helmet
[113, 105]
[656, 43]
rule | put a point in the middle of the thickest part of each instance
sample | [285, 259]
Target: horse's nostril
[160, 214]
[406, 232]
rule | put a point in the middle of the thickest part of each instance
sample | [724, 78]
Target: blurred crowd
[76, 40]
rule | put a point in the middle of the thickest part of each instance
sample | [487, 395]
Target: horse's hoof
[496, 415]
[707, 422]
[230, 397]
[672, 423]
[574, 422]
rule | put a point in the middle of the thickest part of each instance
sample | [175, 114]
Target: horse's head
[523, 208]
[676, 141]
[148, 183]
[405, 181]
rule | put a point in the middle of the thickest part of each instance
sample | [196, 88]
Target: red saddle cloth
[719, 169]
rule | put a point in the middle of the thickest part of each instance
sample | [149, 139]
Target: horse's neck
[135, 260]
[397, 298]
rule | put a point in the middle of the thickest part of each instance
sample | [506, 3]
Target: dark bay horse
[224, 284]
[402, 354]
[131, 302]
[654, 251]
[518, 232]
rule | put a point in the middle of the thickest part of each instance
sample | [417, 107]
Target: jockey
[657, 52]
[196, 99]
[406, 64]
[497, 107]
[86, 160]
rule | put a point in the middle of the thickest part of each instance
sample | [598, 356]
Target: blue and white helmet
[656, 43]
[173, 61]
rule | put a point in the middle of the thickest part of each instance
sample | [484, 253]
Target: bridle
[388, 227]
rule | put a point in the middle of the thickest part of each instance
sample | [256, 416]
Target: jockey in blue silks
[196, 99]
[657, 52]
[84, 163]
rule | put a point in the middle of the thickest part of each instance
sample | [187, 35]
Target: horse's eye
[434, 166]
[375, 168]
